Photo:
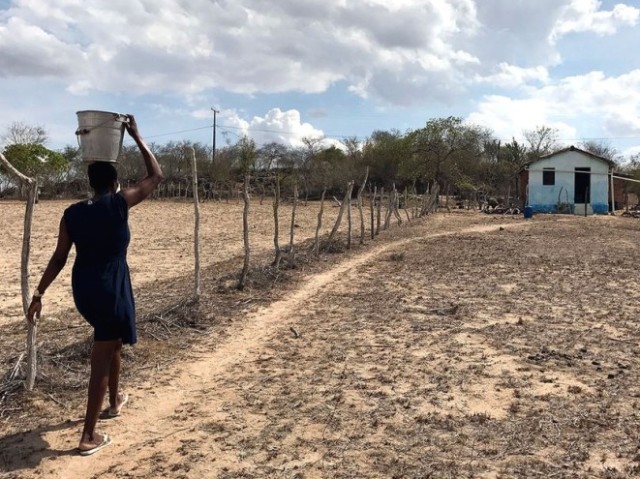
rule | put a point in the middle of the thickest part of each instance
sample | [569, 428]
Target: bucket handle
[116, 116]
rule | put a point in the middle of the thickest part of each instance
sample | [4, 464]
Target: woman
[100, 279]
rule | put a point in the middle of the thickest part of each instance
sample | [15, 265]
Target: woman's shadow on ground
[26, 450]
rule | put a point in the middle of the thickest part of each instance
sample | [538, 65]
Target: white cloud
[586, 16]
[285, 127]
[402, 52]
[632, 151]
[511, 76]
[611, 105]
[399, 52]
[508, 118]
[29, 50]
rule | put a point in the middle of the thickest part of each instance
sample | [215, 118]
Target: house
[569, 180]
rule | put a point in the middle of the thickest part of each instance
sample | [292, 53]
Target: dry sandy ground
[466, 347]
[161, 246]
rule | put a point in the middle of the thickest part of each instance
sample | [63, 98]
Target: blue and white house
[570, 180]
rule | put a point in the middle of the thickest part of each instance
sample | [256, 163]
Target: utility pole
[213, 151]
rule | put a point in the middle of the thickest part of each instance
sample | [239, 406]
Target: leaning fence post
[32, 334]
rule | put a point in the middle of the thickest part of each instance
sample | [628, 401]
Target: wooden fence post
[293, 224]
[276, 224]
[336, 226]
[316, 246]
[349, 223]
[360, 191]
[196, 232]
[378, 213]
[372, 202]
[32, 334]
[245, 231]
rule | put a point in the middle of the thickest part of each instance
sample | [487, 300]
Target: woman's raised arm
[141, 190]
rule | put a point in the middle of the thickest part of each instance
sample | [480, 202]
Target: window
[548, 176]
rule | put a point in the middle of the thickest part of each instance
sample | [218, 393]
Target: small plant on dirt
[396, 256]
[332, 246]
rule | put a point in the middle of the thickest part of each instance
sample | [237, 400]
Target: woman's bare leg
[101, 358]
[114, 378]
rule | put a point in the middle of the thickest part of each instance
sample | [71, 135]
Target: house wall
[545, 198]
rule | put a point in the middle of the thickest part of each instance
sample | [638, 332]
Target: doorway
[582, 191]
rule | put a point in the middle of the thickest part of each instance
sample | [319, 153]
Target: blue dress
[100, 279]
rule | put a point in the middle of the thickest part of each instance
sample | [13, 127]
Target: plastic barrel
[100, 135]
[528, 212]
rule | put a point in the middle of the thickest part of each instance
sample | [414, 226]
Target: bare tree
[312, 145]
[604, 149]
[19, 133]
[542, 140]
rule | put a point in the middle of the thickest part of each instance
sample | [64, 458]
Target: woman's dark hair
[102, 175]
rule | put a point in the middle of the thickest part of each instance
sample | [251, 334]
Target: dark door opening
[582, 193]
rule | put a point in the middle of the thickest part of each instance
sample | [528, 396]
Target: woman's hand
[35, 308]
[132, 127]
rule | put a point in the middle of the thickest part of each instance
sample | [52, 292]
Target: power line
[179, 131]
[328, 135]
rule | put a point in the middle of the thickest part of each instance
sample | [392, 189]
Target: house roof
[572, 148]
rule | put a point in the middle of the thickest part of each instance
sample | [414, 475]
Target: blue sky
[279, 71]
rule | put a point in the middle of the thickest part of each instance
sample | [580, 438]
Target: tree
[330, 168]
[600, 148]
[386, 152]
[21, 133]
[312, 145]
[433, 145]
[516, 156]
[444, 148]
[34, 159]
[542, 140]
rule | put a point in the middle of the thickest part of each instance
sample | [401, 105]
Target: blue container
[528, 212]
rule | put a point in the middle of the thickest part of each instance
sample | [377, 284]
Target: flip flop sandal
[112, 412]
[106, 440]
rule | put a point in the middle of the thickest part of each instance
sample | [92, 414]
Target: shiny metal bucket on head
[100, 135]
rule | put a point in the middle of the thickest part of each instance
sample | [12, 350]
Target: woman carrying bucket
[100, 280]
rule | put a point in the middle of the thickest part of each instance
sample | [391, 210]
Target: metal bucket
[100, 135]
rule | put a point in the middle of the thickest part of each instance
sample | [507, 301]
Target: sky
[288, 69]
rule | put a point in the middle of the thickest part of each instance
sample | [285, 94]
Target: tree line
[462, 159]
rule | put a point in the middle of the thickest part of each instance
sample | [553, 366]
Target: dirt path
[166, 418]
